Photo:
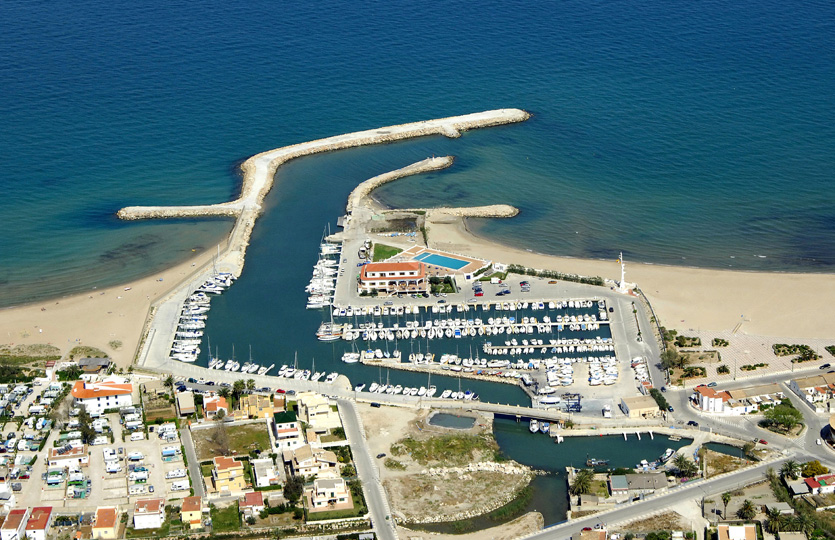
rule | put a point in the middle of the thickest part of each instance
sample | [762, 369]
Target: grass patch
[394, 465]
[226, 519]
[685, 341]
[449, 449]
[162, 532]
[206, 469]
[242, 440]
[831, 349]
[84, 351]
[514, 507]
[26, 354]
[383, 252]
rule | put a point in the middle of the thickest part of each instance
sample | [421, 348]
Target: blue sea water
[678, 132]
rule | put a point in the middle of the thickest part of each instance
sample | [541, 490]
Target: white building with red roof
[102, 395]
[393, 278]
[148, 513]
[12, 528]
[213, 405]
[40, 520]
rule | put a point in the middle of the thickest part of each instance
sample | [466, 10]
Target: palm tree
[223, 392]
[582, 481]
[726, 498]
[169, 383]
[776, 520]
[790, 469]
[746, 510]
[250, 384]
[685, 466]
[238, 389]
[805, 523]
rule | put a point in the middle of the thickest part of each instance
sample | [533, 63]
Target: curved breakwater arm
[259, 172]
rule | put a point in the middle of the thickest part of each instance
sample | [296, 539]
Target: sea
[680, 133]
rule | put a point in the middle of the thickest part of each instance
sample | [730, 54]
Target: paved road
[368, 473]
[193, 464]
[692, 491]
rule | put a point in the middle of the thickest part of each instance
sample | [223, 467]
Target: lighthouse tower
[622, 288]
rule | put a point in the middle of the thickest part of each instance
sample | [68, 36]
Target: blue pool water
[441, 260]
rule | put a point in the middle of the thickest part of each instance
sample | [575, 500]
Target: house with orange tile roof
[256, 406]
[39, 523]
[228, 475]
[252, 504]
[212, 405]
[102, 395]
[106, 523]
[192, 512]
[12, 528]
[393, 278]
[737, 532]
[148, 513]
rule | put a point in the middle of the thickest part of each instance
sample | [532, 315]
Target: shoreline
[769, 304]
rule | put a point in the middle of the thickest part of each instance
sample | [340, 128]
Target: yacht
[534, 425]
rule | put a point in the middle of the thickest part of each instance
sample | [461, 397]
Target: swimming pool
[441, 260]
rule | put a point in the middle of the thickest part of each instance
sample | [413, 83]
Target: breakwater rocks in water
[489, 211]
[259, 171]
[364, 189]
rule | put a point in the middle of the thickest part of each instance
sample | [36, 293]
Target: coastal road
[368, 473]
[689, 492]
[193, 464]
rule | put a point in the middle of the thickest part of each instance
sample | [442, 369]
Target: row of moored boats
[422, 391]
[192, 319]
[322, 284]
[377, 311]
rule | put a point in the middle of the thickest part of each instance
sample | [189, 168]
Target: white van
[137, 436]
[182, 485]
[176, 473]
[112, 467]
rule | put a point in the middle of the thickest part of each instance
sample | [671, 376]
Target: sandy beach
[97, 317]
[764, 304]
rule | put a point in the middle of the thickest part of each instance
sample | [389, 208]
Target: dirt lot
[668, 521]
[518, 528]
[414, 448]
[242, 439]
[718, 463]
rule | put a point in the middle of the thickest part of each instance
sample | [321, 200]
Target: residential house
[252, 504]
[228, 475]
[102, 395]
[148, 513]
[12, 528]
[191, 512]
[782, 507]
[306, 460]
[709, 400]
[591, 534]
[265, 473]
[736, 532]
[821, 485]
[68, 456]
[256, 406]
[185, 403]
[106, 523]
[39, 523]
[279, 403]
[329, 494]
[315, 410]
[639, 407]
[393, 278]
[286, 431]
[212, 405]
[814, 390]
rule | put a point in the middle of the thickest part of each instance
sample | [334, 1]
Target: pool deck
[414, 252]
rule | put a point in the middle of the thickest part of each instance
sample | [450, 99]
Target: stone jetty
[364, 189]
[259, 172]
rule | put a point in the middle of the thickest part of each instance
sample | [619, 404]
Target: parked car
[825, 366]
[670, 408]
[693, 423]
[711, 385]
[763, 441]
[380, 456]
